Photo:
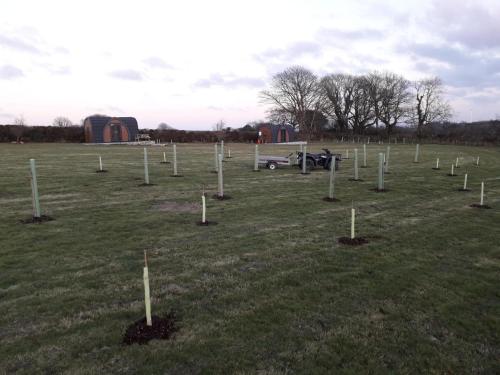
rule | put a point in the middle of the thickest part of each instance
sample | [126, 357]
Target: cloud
[18, 44]
[229, 81]
[127, 74]
[455, 65]
[157, 62]
[327, 34]
[10, 72]
[470, 24]
[291, 52]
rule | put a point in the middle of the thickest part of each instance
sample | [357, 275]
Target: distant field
[268, 290]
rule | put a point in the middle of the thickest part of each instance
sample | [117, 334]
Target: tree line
[354, 103]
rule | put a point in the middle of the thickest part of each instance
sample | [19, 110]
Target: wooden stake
[34, 190]
[456, 163]
[331, 190]
[146, 170]
[482, 194]
[304, 160]
[477, 161]
[437, 163]
[220, 179]
[164, 157]
[175, 159]
[386, 168]
[380, 171]
[100, 163]
[465, 182]
[452, 170]
[204, 209]
[216, 159]
[256, 159]
[364, 155]
[229, 153]
[222, 149]
[356, 175]
[353, 215]
[417, 150]
[147, 298]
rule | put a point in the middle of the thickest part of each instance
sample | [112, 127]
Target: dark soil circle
[357, 241]
[176, 175]
[359, 179]
[206, 223]
[223, 198]
[256, 170]
[37, 220]
[328, 199]
[302, 173]
[452, 175]
[485, 206]
[144, 184]
[436, 169]
[161, 329]
[377, 190]
[463, 189]
[164, 162]
[101, 171]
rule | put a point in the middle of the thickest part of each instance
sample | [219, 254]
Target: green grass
[268, 290]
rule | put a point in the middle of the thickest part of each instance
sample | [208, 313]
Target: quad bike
[323, 159]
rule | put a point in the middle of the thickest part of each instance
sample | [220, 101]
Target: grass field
[268, 290]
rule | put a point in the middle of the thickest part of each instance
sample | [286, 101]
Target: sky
[192, 63]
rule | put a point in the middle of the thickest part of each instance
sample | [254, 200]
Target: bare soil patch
[37, 220]
[160, 329]
[178, 207]
[328, 199]
[485, 206]
[357, 241]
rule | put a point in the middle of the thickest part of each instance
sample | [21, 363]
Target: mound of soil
[178, 207]
[161, 329]
[377, 190]
[223, 198]
[485, 206]
[357, 241]
[328, 199]
[101, 171]
[37, 220]
[206, 223]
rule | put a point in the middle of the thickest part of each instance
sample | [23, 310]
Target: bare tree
[219, 126]
[20, 121]
[164, 126]
[428, 105]
[389, 94]
[338, 91]
[362, 109]
[293, 92]
[62, 122]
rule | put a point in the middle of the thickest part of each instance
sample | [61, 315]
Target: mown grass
[268, 290]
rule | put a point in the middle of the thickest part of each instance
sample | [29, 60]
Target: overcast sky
[191, 63]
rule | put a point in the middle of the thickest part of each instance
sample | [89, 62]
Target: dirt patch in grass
[223, 198]
[485, 206]
[357, 241]
[463, 189]
[144, 184]
[377, 190]
[328, 199]
[160, 329]
[37, 220]
[452, 175]
[101, 171]
[178, 207]
[353, 179]
[206, 223]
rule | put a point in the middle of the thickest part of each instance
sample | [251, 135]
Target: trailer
[272, 162]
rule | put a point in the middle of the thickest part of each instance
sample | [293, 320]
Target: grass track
[268, 290]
